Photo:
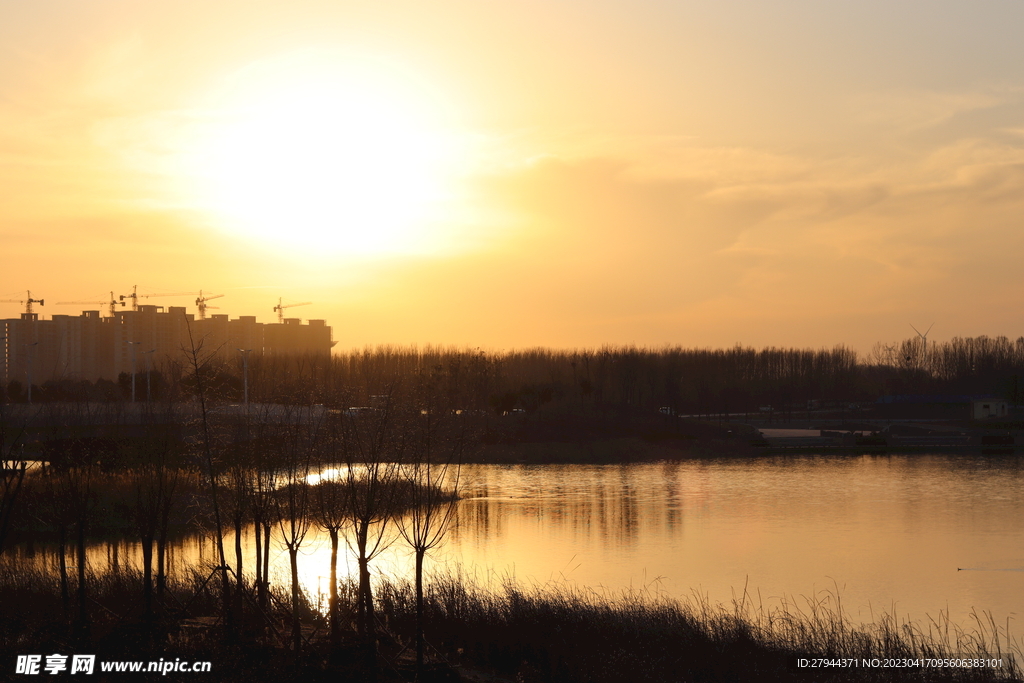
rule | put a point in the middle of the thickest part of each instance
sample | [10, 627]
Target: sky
[559, 173]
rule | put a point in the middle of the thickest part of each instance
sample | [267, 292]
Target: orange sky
[515, 174]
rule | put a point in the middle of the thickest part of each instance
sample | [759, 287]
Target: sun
[309, 153]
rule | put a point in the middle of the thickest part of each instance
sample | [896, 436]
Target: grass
[33, 621]
[567, 635]
[535, 634]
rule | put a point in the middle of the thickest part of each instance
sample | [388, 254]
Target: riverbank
[632, 438]
[618, 437]
[608, 451]
[513, 634]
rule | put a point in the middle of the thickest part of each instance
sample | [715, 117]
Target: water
[887, 532]
[911, 535]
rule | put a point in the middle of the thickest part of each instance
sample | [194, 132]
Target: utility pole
[134, 345]
[245, 376]
[149, 373]
[28, 368]
[7, 368]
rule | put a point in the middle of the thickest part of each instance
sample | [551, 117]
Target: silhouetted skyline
[89, 347]
[540, 174]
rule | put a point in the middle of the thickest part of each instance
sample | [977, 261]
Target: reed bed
[559, 633]
[526, 634]
[35, 614]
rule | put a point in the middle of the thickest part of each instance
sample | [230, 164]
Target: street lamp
[245, 375]
[149, 372]
[3, 380]
[28, 368]
[134, 346]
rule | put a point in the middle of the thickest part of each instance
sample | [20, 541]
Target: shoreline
[512, 633]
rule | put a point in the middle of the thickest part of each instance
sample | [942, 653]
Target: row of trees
[258, 465]
[691, 381]
[396, 469]
[971, 365]
[367, 478]
[149, 384]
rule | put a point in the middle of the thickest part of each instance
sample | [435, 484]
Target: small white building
[989, 407]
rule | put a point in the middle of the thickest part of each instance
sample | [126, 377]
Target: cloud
[748, 232]
[913, 109]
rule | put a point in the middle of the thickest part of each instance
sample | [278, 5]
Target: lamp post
[149, 373]
[28, 368]
[245, 375]
[134, 345]
[3, 380]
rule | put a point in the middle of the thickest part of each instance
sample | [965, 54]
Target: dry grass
[559, 634]
[534, 634]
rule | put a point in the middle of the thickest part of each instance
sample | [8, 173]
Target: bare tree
[12, 473]
[169, 477]
[146, 518]
[12, 476]
[199, 366]
[370, 447]
[53, 492]
[264, 515]
[332, 515]
[240, 478]
[301, 432]
[83, 502]
[430, 476]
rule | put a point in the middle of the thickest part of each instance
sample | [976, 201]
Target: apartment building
[89, 347]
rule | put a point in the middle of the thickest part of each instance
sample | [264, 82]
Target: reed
[527, 633]
[559, 633]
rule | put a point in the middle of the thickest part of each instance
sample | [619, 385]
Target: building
[293, 337]
[990, 406]
[941, 407]
[88, 347]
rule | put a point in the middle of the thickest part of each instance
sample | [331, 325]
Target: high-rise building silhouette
[88, 347]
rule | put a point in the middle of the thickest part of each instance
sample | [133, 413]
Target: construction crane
[201, 303]
[279, 309]
[28, 301]
[135, 296]
[112, 304]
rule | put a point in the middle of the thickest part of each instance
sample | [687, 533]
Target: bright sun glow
[309, 154]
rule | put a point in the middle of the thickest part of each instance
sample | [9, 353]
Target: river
[909, 535]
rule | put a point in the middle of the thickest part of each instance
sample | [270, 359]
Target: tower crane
[112, 304]
[201, 303]
[28, 301]
[135, 296]
[279, 309]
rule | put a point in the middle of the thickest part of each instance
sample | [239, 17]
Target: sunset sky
[561, 173]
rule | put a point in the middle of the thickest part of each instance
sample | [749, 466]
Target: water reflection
[605, 505]
[888, 531]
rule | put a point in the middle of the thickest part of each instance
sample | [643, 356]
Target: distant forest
[686, 381]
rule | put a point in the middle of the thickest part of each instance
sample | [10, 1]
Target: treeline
[587, 381]
[963, 365]
[393, 478]
[259, 471]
